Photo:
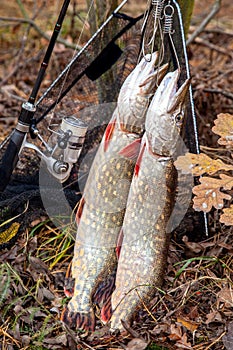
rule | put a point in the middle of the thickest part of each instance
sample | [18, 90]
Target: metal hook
[157, 9]
[168, 27]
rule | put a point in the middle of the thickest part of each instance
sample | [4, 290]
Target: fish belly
[145, 239]
[105, 198]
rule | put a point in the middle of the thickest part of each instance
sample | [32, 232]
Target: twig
[16, 68]
[215, 9]
[220, 91]
[213, 47]
[219, 31]
[216, 341]
[44, 35]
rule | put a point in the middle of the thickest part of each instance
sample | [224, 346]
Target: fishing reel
[63, 148]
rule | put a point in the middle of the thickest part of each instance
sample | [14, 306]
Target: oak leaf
[208, 194]
[224, 128]
[227, 181]
[198, 164]
[227, 216]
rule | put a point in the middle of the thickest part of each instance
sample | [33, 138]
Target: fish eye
[179, 118]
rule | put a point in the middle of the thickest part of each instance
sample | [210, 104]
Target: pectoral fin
[131, 151]
[108, 133]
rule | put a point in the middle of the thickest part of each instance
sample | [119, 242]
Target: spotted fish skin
[102, 208]
[150, 203]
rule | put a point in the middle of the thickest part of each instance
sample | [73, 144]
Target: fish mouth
[153, 80]
[168, 96]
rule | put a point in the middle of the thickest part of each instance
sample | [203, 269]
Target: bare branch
[214, 47]
[199, 30]
[43, 34]
[220, 91]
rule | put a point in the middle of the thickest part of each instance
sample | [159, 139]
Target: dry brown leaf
[137, 344]
[213, 317]
[225, 296]
[192, 246]
[183, 342]
[224, 128]
[199, 164]
[227, 216]
[208, 194]
[176, 332]
[228, 338]
[227, 181]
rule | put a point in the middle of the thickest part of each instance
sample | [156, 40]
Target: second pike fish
[150, 203]
[102, 208]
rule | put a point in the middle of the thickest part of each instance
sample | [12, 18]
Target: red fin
[139, 160]
[78, 320]
[131, 151]
[69, 283]
[69, 287]
[80, 210]
[103, 294]
[106, 311]
[108, 134]
[119, 243]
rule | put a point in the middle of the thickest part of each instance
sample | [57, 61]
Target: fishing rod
[25, 123]
[70, 137]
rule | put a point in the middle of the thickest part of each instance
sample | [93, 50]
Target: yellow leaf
[190, 325]
[208, 194]
[227, 216]
[224, 128]
[9, 233]
[198, 164]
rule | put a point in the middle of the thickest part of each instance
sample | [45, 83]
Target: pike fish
[102, 208]
[150, 203]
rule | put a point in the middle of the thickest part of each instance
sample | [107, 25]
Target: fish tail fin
[79, 320]
[102, 296]
[106, 311]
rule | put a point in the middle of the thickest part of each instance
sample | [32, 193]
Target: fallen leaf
[176, 332]
[213, 317]
[190, 325]
[192, 246]
[199, 164]
[137, 344]
[225, 296]
[228, 338]
[61, 339]
[183, 342]
[227, 216]
[224, 128]
[208, 194]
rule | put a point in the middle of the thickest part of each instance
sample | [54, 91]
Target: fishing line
[74, 54]
[155, 13]
[190, 97]
[72, 62]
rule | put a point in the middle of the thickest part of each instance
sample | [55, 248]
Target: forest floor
[194, 308]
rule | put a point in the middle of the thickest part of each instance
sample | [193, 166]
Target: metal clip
[168, 19]
[168, 27]
[157, 10]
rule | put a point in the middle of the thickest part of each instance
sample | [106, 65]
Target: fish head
[136, 93]
[165, 116]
